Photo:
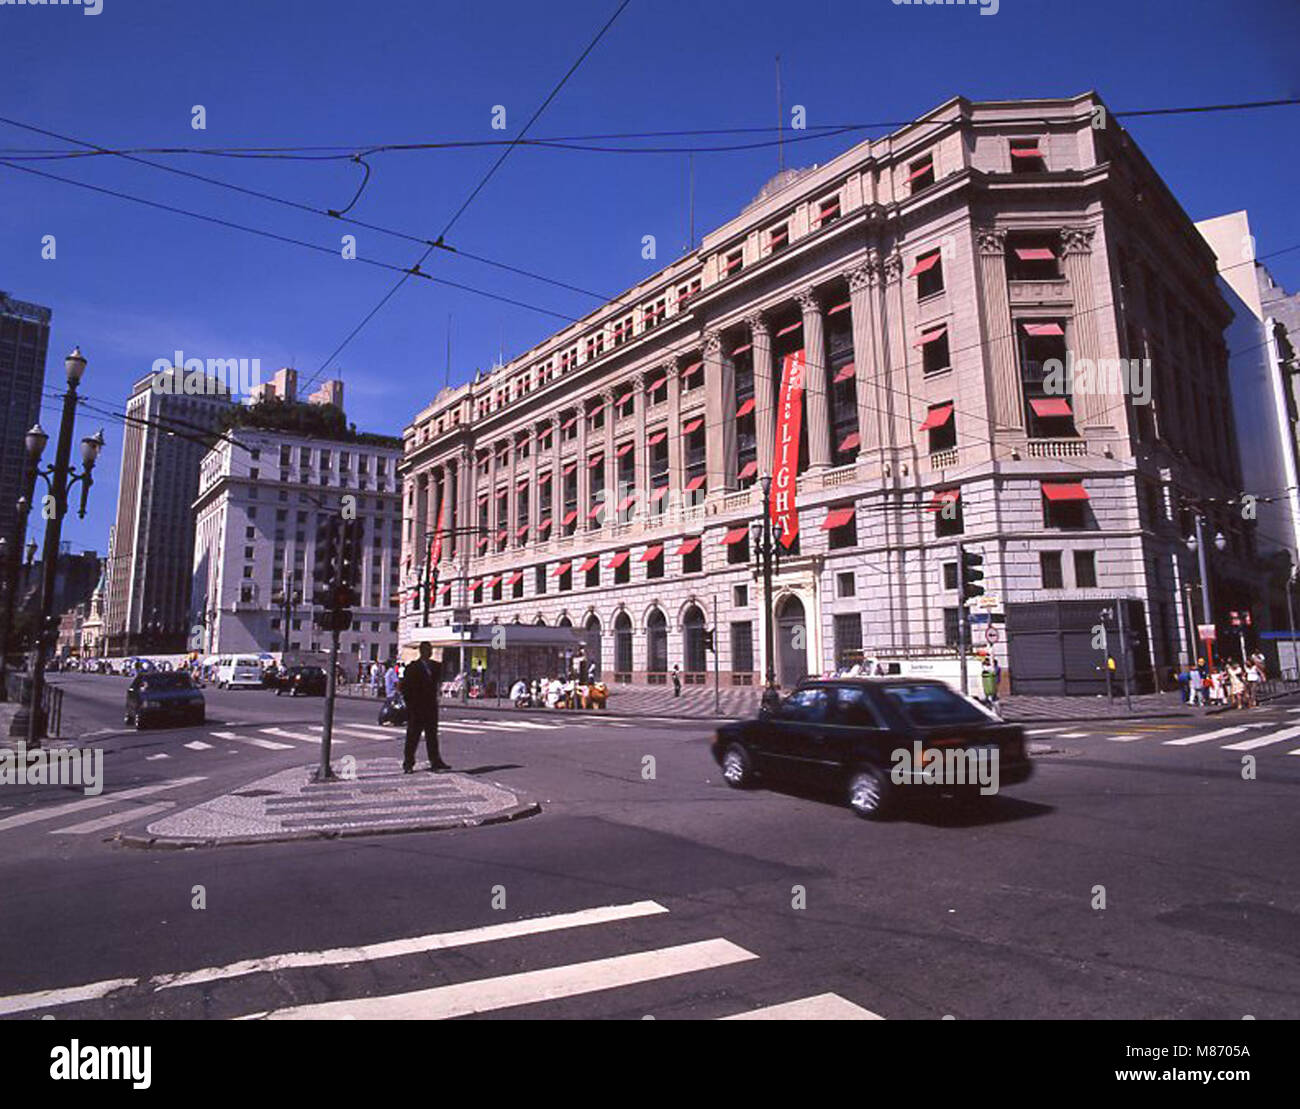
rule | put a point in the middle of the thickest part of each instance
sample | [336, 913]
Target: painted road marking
[199, 745]
[1205, 737]
[1044, 731]
[100, 823]
[1264, 740]
[49, 812]
[22, 1002]
[1072, 735]
[151, 758]
[436, 941]
[305, 737]
[825, 1006]
[528, 987]
[266, 744]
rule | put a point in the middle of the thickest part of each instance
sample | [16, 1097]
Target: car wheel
[737, 771]
[138, 722]
[870, 794]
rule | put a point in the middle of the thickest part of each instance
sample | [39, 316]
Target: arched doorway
[594, 660]
[623, 646]
[791, 642]
[656, 630]
[693, 654]
[540, 622]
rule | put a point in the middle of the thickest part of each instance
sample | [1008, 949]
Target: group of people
[1236, 684]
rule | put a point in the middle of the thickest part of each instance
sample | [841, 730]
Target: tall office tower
[167, 433]
[24, 337]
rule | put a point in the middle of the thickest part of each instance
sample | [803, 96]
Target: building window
[845, 584]
[1049, 411]
[951, 631]
[1027, 156]
[1085, 569]
[733, 262]
[623, 644]
[566, 577]
[1065, 506]
[740, 596]
[934, 349]
[942, 426]
[737, 543]
[928, 272]
[841, 526]
[947, 510]
[778, 238]
[848, 638]
[621, 564]
[742, 645]
[1031, 256]
[539, 579]
[654, 565]
[843, 388]
[592, 569]
[695, 442]
[950, 575]
[692, 552]
[1049, 563]
[827, 211]
[517, 585]
[921, 173]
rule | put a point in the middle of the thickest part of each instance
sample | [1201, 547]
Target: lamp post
[59, 479]
[10, 553]
[770, 695]
[1196, 544]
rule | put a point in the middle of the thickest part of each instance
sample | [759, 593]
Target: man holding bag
[420, 685]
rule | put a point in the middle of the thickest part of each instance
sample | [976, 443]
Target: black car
[302, 681]
[869, 738]
[164, 695]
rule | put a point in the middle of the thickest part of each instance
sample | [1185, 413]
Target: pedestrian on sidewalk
[1254, 675]
[1195, 686]
[420, 685]
[390, 681]
[991, 675]
[1236, 686]
[677, 680]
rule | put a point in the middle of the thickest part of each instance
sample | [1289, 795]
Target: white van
[239, 672]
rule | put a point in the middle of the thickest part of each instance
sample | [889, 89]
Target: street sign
[990, 635]
[981, 617]
[986, 603]
[1205, 632]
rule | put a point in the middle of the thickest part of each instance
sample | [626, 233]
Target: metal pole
[961, 614]
[1290, 615]
[13, 562]
[327, 732]
[1123, 653]
[717, 688]
[53, 531]
[769, 644]
[1206, 617]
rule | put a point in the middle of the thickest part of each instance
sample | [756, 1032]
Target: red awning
[475, 584]
[839, 308]
[691, 369]
[659, 494]
[656, 438]
[596, 511]
[521, 531]
[829, 206]
[493, 583]
[1050, 406]
[943, 497]
[748, 470]
[589, 564]
[688, 545]
[626, 503]
[651, 553]
[569, 517]
[522, 485]
[694, 484]
[937, 417]
[562, 568]
[617, 561]
[570, 468]
[545, 525]
[1034, 254]
[790, 327]
[1064, 491]
[569, 423]
[746, 408]
[850, 442]
[625, 448]
[734, 535]
[837, 518]
[1042, 329]
[846, 372]
[1026, 151]
[515, 578]
[694, 425]
[544, 479]
[444, 590]
[595, 460]
[501, 535]
[741, 349]
[655, 386]
[925, 262]
[482, 542]
[930, 336]
[925, 167]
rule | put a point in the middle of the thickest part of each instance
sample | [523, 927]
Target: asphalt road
[723, 902]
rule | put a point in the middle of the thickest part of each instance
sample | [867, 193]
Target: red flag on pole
[435, 547]
[785, 462]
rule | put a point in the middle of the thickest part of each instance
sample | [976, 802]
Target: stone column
[1093, 408]
[863, 281]
[641, 452]
[584, 488]
[719, 415]
[902, 357]
[674, 428]
[760, 336]
[512, 494]
[817, 410]
[995, 312]
[494, 525]
[466, 541]
[557, 501]
[610, 515]
[534, 490]
[452, 493]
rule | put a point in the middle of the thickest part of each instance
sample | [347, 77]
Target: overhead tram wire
[492, 170]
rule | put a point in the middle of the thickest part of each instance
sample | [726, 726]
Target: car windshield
[156, 683]
[935, 705]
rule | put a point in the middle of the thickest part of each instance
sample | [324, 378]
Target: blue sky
[131, 285]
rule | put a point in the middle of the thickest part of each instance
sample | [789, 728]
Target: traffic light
[328, 541]
[348, 578]
[709, 644]
[972, 574]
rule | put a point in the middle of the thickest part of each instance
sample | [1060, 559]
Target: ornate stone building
[609, 477]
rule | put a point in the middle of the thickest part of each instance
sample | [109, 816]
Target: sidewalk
[375, 798]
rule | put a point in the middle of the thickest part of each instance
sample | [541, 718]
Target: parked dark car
[393, 710]
[302, 681]
[868, 739]
[156, 697]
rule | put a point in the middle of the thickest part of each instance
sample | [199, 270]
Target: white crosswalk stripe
[255, 741]
[113, 819]
[1072, 735]
[284, 733]
[1043, 731]
[1206, 737]
[154, 758]
[1125, 737]
[826, 1006]
[199, 745]
[349, 729]
[51, 812]
[1263, 741]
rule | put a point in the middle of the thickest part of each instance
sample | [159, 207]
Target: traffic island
[369, 797]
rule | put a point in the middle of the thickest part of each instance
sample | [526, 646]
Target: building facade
[609, 478]
[24, 341]
[166, 434]
[261, 497]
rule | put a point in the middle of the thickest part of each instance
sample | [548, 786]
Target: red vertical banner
[785, 460]
[435, 547]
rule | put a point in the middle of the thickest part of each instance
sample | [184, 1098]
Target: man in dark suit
[420, 685]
